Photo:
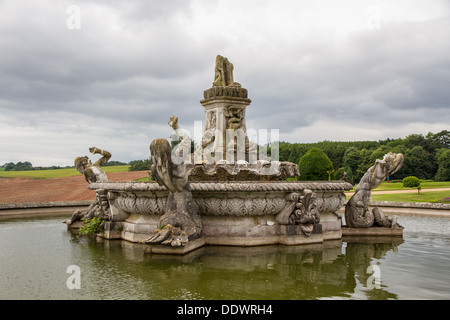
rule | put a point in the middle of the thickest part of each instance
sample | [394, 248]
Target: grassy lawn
[425, 185]
[432, 196]
[56, 173]
[385, 186]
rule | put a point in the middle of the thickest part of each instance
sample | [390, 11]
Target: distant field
[56, 173]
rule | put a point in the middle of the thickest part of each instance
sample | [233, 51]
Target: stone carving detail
[180, 222]
[330, 202]
[216, 204]
[234, 117]
[261, 170]
[211, 120]
[223, 73]
[93, 172]
[306, 213]
[358, 214]
[230, 92]
[141, 204]
[100, 209]
[240, 206]
[212, 197]
[302, 210]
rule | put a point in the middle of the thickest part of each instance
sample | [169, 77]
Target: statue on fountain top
[223, 73]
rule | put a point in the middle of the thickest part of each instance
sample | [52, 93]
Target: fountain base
[232, 213]
[373, 231]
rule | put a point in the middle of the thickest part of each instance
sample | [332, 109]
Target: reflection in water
[361, 252]
[220, 272]
[35, 254]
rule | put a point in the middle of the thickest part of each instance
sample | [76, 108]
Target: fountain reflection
[334, 269]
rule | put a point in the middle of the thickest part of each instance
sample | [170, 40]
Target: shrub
[91, 227]
[412, 182]
[315, 165]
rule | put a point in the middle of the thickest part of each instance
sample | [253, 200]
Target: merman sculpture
[180, 223]
[93, 173]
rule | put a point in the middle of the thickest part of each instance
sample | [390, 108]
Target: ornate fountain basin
[225, 199]
[236, 213]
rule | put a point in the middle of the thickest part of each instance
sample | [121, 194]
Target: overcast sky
[112, 76]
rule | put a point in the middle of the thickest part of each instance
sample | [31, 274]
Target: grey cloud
[132, 65]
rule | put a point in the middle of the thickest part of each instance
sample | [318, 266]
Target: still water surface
[35, 254]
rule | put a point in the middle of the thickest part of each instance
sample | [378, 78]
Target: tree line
[426, 157]
[28, 166]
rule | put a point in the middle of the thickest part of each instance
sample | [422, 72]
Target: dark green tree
[140, 165]
[443, 172]
[443, 138]
[314, 165]
[419, 163]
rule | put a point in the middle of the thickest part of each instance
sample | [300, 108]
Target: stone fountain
[223, 193]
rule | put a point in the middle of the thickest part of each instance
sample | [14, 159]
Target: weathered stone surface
[358, 214]
[227, 198]
[259, 171]
[180, 222]
[236, 213]
[375, 231]
[93, 171]
[226, 92]
[223, 73]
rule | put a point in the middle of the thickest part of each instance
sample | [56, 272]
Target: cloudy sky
[110, 74]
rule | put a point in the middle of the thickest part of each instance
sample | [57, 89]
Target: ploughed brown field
[75, 188]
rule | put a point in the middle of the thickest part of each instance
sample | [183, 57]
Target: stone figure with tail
[358, 214]
[181, 222]
[93, 173]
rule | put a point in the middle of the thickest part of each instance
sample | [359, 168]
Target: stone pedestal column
[225, 114]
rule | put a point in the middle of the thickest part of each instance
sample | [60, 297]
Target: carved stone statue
[358, 214]
[93, 172]
[223, 73]
[100, 208]
[180, 223]
[302, 211]
[234, 117]
[211, 120]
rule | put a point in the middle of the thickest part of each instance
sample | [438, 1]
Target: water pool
[35, 254]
